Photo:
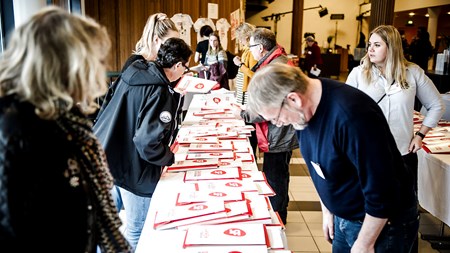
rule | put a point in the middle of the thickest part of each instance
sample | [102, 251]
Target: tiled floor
[304, 223]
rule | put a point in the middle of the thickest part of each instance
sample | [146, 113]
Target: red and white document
[195, 84]
[199, 140]
[210, 155]
[229, 249]
[195, 164]
[226, 185]
[219, 100]
[189, 214]
[218, 147]
[194, 196]
[213, 174]
[226, 234]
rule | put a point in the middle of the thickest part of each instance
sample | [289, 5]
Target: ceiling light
[323, 12]
[427, 15]
[411, 14]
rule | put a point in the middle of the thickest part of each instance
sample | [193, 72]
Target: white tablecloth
[434, 184]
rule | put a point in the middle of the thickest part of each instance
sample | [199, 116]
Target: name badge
[318, 170]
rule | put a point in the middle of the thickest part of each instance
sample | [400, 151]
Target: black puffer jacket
[136, 125]
[40, 211]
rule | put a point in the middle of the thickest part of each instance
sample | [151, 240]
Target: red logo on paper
[233, 184]
[216, 100]
[219, 172]
[216, 146]
[224, 163]
[245, 175]
[215, 154]
[201, 139]
[198, 207]
[217, 194]
[199, 161]
[235, 232]
[199, 86]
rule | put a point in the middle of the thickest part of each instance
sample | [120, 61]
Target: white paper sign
[213, 11]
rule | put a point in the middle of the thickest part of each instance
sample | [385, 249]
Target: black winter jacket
[40, 211]
[136, 125]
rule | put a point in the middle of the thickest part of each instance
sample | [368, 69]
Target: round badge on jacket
[165, 116]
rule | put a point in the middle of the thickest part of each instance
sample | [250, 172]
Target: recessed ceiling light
[427, 15]
[411, 14]
[448, 13]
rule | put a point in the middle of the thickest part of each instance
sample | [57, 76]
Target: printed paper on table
[195, 84]
[443, 148]
[264, 188]
[226, 234]
[193, 164]
[253, 175]
[199, 140]
[218, 147]
[219, 100]
[228, 249]
[226, 186]
[182, 215]
[213, 174]
[220, 155]
[189, 197]
[236, 211]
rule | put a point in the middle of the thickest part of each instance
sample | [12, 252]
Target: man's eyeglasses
[275, 122]
[186, 68]
[254, 45]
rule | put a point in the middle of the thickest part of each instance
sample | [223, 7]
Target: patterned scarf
[92, 161]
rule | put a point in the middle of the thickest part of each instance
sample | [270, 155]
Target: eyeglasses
[275, 122]
[254, 45]
[186, 68]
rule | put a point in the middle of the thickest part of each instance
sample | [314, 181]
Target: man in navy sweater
[367, 195]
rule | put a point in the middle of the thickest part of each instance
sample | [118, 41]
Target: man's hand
[237, 109]
[327, 223]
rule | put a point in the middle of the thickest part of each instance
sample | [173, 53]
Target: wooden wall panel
[125, 20]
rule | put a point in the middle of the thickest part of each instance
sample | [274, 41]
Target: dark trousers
[276, 169]
[411, 163]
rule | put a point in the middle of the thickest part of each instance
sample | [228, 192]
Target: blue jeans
[396, 237]
[276, 169]
[136, 208]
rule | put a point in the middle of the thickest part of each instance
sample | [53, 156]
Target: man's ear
[294, 100]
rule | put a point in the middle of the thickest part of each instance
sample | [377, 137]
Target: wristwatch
[418, 133]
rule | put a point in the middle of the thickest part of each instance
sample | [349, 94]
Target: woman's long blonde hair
[158, 26]
[55, 61]
[395, 69]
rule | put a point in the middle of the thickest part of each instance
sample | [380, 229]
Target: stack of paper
[213, 174]
[194, 164]
[226, 234]
[189, 214]
[194, 84]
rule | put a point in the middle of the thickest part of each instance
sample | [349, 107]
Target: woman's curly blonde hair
[55, 61]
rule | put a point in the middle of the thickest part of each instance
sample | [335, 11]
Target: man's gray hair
[270, 85]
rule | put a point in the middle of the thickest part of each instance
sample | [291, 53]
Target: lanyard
[384, 94]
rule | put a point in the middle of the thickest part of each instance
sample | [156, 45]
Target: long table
[434, 193]
[165, 195]
[434, 184]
